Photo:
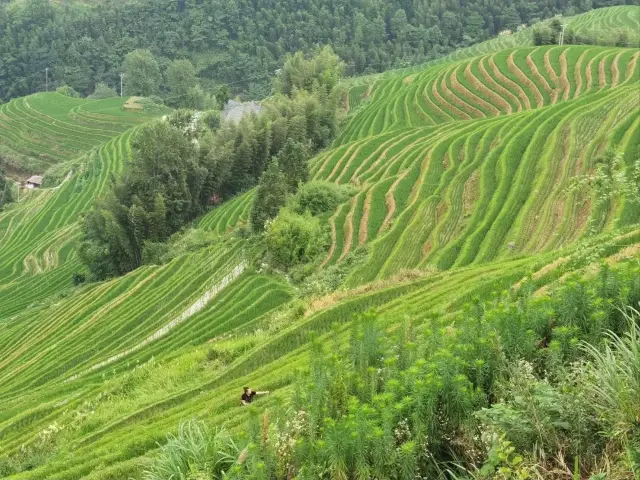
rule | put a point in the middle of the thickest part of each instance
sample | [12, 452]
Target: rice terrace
[417, 258]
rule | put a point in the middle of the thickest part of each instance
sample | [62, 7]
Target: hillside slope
[462, 174]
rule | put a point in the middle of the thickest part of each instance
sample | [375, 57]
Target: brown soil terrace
[457, 97]
[524, 100]
[491, 92]
[348, 229]
[540, 78]
[513, 68]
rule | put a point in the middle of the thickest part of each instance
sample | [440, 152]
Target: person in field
[247, 396]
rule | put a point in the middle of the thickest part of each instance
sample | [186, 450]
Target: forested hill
[242, 42]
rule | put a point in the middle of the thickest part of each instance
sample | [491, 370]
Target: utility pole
[46, 76]
[121, 77]
[562, 33]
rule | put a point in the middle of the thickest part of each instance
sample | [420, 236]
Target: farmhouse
[35, 181]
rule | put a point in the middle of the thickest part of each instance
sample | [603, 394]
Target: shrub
[196, 448]
[78, 278]
[211, 118]
[292, 239]
[154, 252]
[103, 90]
[67, 91]
[614, 390]
[320, 197]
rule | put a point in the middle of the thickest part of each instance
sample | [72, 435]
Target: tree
[142, 73]
[3, 185]
[271, 195]
[293, 161]
[158, 219]
[511, 19]
[181, 78]
[159, 192]
[323, 69]
[196, 98]
[222, 95]
[7, 193]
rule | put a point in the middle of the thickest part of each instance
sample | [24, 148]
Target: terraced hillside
[462, 174]
[53, 128]
[507, 82]
[149, 315]
[471, 162]
[608, 22]
[38, 233]
[109, 431]
[600, 26]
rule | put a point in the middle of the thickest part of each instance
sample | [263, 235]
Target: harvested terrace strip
[496, 84]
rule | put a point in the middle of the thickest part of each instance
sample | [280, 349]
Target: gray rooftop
[233, 111]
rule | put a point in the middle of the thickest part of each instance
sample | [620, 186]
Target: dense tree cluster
[184, 164]
[242, 42]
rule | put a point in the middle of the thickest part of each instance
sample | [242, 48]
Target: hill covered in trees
[434, 272]
[240, 43]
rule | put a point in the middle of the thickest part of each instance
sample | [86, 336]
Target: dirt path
[445, 103]
[456, 96]
[391, 202]
[602, 76]
[433, 106]
[332, 249]
[364, 221]
[632, 66]
[615, 71]
[564, 78]
[476, 83]
[589, 75]
[348, 229]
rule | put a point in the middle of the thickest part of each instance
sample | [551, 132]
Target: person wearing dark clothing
[247, 396]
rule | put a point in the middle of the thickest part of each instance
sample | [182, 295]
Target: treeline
[241, 43]
[182, 166]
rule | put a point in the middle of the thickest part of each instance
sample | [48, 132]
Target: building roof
[234, 110]
[35, 179]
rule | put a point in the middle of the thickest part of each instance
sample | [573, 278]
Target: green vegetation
[454, 193]
[433, 271]
[48, 128]
[184, 163]
[412, 401]
[243, 44]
